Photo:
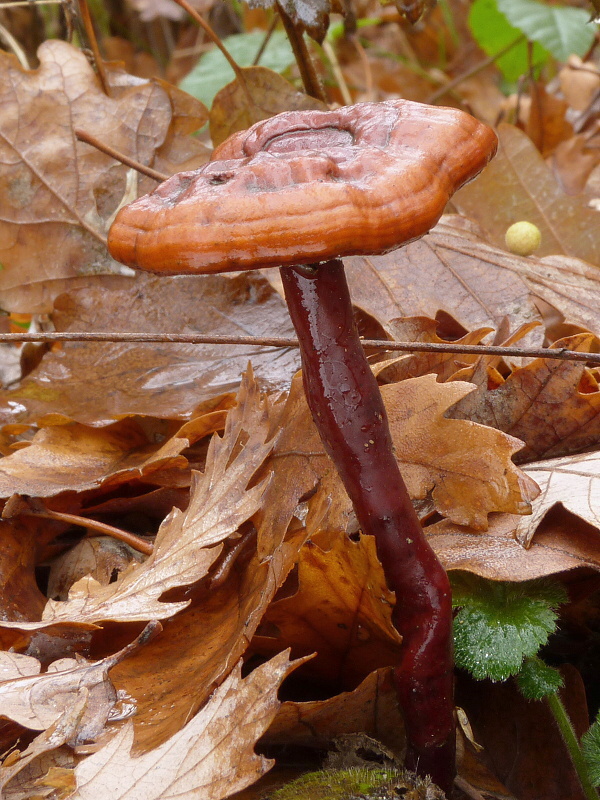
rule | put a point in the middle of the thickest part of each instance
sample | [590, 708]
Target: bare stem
[93, 42]
[349, 413]
[86, 137]
[310, 79]
[94, 525]
[560, 354]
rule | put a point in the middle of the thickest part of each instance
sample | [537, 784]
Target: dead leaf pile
[179, 483]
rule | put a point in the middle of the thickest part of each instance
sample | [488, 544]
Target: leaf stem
[570, 739]
[310, 79]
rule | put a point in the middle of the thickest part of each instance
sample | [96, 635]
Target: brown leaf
[60, 732]
[423, 329]
[454, 464]
[76, 458]
[93, 383]
[265, 94]
[341, 611]
[201, 644]
[436, 274]
[540, 404]
[211, 757]
[188, 543]
[573, 481]
[561, 542]
[517, 185]
[372, 708]
[568, 284]
[58, 194]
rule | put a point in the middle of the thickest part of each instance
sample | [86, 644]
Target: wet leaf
[572, 481]
[213, 755]
[523, 188]
[94, 383]
[541, 403]
[341, 611]
[58, 194]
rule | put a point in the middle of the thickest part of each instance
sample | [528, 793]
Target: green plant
[498, 630]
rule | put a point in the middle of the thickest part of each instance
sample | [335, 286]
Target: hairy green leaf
[499, 624]
[590, 745]
[536, 679]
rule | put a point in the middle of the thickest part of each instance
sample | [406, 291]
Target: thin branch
[239, 72]
[93, 525]
[433, 98]
[561, 354]
[308, 73]
[86, 137]
[93, 42]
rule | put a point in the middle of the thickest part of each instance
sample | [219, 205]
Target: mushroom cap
[307, 186]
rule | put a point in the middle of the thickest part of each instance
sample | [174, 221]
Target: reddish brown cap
[306, 186]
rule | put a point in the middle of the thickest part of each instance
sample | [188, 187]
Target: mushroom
[299, 190]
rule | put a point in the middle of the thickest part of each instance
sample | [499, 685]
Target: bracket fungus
[298, 191]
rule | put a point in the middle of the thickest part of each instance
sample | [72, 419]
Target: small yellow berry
[523, 238]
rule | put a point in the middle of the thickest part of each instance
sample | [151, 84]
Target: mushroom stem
[349, 413]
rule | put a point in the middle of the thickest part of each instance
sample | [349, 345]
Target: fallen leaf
[37, 700]
[433, 274]
[341, 611]
[94, 383]
[573, 481]
[60, 732]
[77, 458]
[568, 284]
[517, 185]
[562, 542]
[212, 756]
[188, 542]
[58, 194]
[541, 404]
[372, 708]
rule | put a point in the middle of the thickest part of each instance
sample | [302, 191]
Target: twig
[86, 137]
[310, 79]
[433, 98]
[93, 42]
[284, 341]
[94, 525]
[239, 72]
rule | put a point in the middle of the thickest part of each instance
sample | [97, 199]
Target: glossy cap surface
[306, 186]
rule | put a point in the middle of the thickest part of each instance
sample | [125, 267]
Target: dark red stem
[348, 410]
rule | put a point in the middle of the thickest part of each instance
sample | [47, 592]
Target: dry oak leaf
[541, 404]
[562, 542]
[573, 481]
[36, 701]
[466, 467]
[211, 757]
[570, 285]
[94, 383]
[61, 731]
[518, 185]
[77, 458]
[424, 329]
[188, 542]
[372, 708]
[341, 611]
[58, 194]
[434, 274]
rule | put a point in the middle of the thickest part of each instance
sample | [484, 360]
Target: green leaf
[590, 746]
[493, 33]
[213, 72]
[560, 29]
[499, 624]
[537, 680]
